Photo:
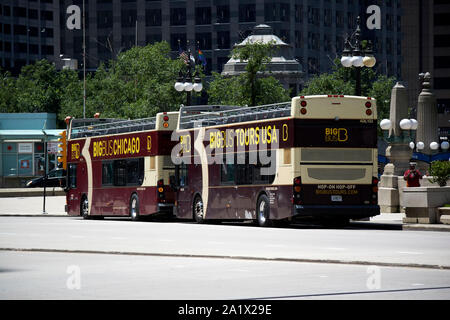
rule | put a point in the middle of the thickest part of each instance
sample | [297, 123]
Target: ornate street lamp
[352, 55]
[186, 82]
[408, 131]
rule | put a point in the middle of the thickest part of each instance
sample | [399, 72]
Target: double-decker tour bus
[120, 167]
[315, 156]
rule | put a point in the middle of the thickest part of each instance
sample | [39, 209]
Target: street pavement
[54, 206]
[72, 258]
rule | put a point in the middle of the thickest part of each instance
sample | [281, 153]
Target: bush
[440, 170]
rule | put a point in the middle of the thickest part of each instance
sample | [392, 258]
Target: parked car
[55, 178]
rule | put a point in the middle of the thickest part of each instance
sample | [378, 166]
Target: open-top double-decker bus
[315, 156]
[120, 167]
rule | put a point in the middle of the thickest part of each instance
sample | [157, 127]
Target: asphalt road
[71, 258]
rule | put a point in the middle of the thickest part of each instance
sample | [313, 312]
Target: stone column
[427, 116]
[398, 152]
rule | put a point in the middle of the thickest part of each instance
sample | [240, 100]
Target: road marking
[417, 284]
[78, 237]
[166, 240]
[323, 276]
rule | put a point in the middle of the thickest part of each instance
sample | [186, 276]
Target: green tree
[138, 84]
[37, 89]
[341, 81]
[251, 87]
[8, 92]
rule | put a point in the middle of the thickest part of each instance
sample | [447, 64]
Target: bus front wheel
[198, 210]
[134, 207]
[263, 211]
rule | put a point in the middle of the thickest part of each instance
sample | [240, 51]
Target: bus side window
[132, 171]
[72, 176]
[107, 173]
[120, 173]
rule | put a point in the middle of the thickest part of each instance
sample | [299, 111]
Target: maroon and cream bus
[315, 156]
[120, 167]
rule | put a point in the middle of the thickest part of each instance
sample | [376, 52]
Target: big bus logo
[336, 135]
[75, 151]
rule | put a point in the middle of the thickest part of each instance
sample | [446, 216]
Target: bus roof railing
[98, 127]
[203, 116]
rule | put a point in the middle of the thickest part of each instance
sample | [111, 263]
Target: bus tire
[84, 207]
[263, 211]
[134, 207]
[197, 210]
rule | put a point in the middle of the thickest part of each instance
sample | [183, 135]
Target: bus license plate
[336, 198]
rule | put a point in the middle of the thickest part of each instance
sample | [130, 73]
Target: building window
[129, 18]
[441, 83]
[313, 16]
[223, 14]
[442, 19]
[203, 15]
[223, 40]
[247, 13]
[203, 40]
[104, 19]
[270, 13]
[153, 17]
[46, 15]
[47, 50]
[313, 65]
[177, 16]
[441, 40]
[20, 12]
[339, 19]
[441, 62]
[298, 13]
[178, 40]
[298, 39]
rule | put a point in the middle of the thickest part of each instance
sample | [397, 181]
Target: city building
[315, 29]
[29, 31]
[426, 44]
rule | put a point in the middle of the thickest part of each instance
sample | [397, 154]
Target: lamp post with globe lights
[186, 82]
[407, 133]
[352, 55]
[436, 150]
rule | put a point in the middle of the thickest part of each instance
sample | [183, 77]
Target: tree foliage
[138, 84]
[341, 81]
[251, 87]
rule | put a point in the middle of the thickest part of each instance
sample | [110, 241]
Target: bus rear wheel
[198, 210]
[263, 211]
[134, 207]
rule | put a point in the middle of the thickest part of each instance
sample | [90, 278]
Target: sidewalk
[26, 206]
